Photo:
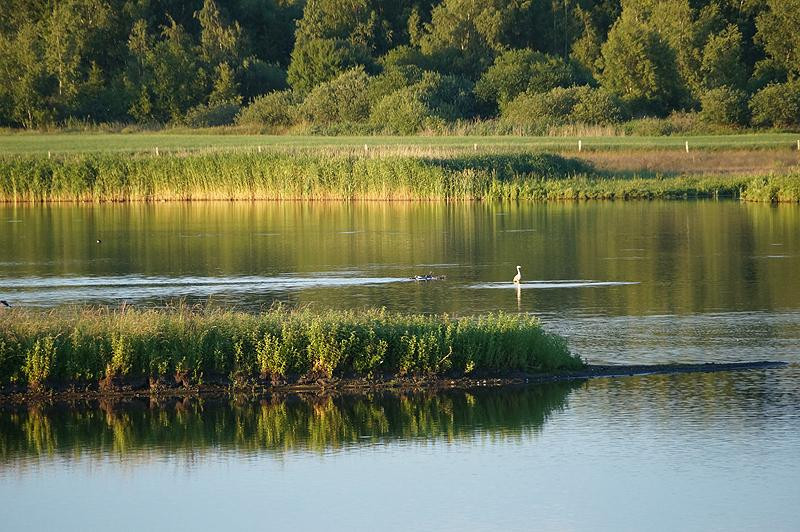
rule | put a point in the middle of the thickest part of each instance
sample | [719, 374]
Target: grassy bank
[85, 346]
[315, 176]
[187, 141]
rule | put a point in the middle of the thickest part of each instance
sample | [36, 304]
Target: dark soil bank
[324, 386]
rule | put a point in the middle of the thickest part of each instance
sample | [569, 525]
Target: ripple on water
[572, 283]
[49, 291]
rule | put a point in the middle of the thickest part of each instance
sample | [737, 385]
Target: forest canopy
[398, 66]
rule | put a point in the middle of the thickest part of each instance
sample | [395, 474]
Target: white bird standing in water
[518, 277]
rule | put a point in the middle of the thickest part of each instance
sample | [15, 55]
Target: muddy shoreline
[325, 386]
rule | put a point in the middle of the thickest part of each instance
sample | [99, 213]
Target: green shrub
[273, 110]
[343, 99]
[597, 106]
[400, 113]
[39, 360]
[777, 105]
[212, 114]
[430, 103]
[675, 124]
[543, 109]
[391, 80]
[258, 77]
[724, 106]
[447, 97]
[518, 71]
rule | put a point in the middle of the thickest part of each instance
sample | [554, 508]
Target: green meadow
[182, 141]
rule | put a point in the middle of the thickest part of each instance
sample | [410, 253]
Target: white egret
[518, 277]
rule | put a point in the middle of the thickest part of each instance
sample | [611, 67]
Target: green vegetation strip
[60, 143]
[276, 176]
[84, 346]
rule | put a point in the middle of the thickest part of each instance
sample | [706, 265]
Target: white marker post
[48, 154]
[475, 146]
[156, 151]
[798, 144]
[366, 148]
[259, 149]
[687, 146]
[580, 144]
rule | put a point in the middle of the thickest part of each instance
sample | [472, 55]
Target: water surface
[634, 282]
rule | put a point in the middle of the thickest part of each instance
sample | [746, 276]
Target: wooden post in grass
[366, 148]
[475, 147]
[580, 144]
[259, 149]
[798, 144]
[156, 151]
[687, 146]
[48, 154]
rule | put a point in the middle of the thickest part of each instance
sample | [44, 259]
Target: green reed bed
[88, 345]
[316, 176]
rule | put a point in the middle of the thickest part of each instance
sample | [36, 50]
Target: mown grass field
[58, 143]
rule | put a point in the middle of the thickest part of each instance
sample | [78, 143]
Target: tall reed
[348, 176]
[87, 345]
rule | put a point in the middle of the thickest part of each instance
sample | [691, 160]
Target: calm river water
[641, 282]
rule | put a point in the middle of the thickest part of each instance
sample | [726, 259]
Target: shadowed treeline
[140, 427]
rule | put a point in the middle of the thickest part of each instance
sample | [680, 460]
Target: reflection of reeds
[86, 345]
[396, 173]
[319, 424]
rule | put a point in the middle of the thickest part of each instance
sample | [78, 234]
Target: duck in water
[4, 304]
[429, 277]
[518, 277]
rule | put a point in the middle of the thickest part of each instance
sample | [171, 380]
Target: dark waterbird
[4, 304]
[429, 277]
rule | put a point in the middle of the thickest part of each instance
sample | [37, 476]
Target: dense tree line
[399, 65]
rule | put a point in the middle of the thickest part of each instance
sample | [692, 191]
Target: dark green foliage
[157, 62]
[777, 105]
[641, 68]
[79, 346]
[725, 106]
[274, 110]
[722, 63]
[213, 114]
[258, 77]
[778, 34]
[392, 79]
[597, 106]
[429, 103]
[518, 71]
[316, 61]
[403, 112]
[343, 99]
[537, 111]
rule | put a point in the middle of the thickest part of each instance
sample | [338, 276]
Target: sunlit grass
[60, 143]
[86, 345]
[308, 175]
